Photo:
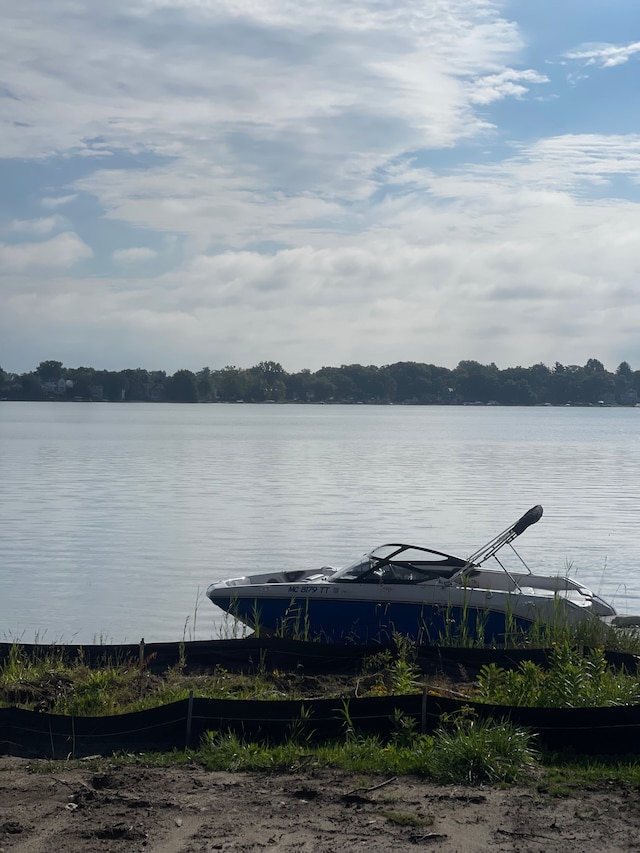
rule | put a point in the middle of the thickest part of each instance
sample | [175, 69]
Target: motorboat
[407, 590]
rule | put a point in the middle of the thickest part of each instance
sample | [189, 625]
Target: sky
[190, 183]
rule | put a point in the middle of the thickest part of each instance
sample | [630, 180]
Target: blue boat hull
[367, 621]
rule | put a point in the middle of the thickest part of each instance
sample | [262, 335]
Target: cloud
[175, 77]
[134, 255]
[58, 201]
[502, 268]
[34, 226]
[64, 250]
[267, 121]
[570, 163]
[508, 83]
[604, 55]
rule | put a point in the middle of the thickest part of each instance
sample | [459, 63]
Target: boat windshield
[400, 564]
[353, 571]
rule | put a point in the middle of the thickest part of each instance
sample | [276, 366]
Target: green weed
[230, 752]
[464, 751]
[471, 751]
[405, 819]
[573, 680]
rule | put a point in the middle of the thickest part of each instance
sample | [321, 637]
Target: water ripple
[116, 517]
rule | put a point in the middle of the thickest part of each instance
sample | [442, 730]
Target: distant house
[57, 386]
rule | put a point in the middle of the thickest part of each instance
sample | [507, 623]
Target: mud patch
[185, 809]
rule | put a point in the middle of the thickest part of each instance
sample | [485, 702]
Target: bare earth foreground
[187, 810]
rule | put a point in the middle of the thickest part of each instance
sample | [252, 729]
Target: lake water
[114, 518]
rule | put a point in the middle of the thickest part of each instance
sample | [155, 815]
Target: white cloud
[508, 83]
[58, 201]
[127, 77]
[134, 255]
[508, 271]
[559, 164]
[272, 117]
[604, 55]
[34, 226]
[64, 250]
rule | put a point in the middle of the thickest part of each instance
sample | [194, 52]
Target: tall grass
[41, 679]
[476, 751]
[463, 751]
[28, 679]
[572, 680]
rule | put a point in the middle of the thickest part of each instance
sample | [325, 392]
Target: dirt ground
[189, 810]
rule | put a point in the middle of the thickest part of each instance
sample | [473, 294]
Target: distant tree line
[405, 382]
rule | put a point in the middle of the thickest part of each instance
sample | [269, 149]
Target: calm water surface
[115, 518]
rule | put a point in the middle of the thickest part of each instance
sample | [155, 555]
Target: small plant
[232, 627]
[470, 751]
[182, 657]
[404, 819]
[375, 663]
[388, 673]
[300, 730]
[96, 694]
[348, 725]
[404, 672]
[467, 628]
[256, 619]
[404, 729]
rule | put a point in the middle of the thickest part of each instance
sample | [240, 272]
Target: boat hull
[332, 620]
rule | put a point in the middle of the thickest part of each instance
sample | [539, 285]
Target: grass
[573, 680]
[43, 680]
[550, 775]
[566, 774]
[463, 750]
[477, 752]
[469, 631]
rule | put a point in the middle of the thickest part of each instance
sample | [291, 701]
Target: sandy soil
[189, 810]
